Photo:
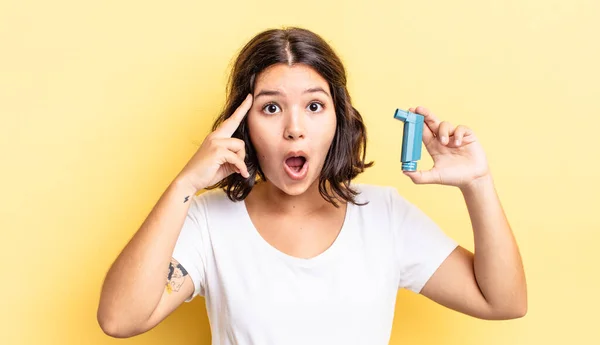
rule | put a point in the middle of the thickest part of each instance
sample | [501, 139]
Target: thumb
[422, 177]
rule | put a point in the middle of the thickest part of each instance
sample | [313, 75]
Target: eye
[270, 108]
[314, 106]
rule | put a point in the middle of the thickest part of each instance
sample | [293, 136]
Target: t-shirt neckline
[330, 251]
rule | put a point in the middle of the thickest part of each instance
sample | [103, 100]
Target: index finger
[427, 133]
[431, 120]
[228, 127]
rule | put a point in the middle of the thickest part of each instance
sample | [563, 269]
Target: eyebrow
[276, 93]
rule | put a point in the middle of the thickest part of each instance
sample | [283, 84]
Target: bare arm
[144, 285]
[140, 276]
[491, 283]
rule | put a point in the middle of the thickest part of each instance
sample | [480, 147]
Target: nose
[294, 128]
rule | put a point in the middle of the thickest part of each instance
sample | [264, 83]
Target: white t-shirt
[256, 294]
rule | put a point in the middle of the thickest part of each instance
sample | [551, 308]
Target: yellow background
[103, 102]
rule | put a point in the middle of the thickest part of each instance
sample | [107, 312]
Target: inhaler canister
[411, 138]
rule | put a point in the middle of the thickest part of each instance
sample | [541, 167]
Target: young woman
[284, 247]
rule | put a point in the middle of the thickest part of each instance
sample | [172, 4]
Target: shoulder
[373, 193]
[216, 195]
[384, 201]
[211, 201]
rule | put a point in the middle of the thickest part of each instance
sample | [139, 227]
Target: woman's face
[292, 124]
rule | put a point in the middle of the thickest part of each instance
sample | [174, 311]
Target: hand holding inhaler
[458, 157]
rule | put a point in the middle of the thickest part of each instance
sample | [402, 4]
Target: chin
[294, 188]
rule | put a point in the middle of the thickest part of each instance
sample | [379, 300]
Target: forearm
[136, 280]
[497, 261]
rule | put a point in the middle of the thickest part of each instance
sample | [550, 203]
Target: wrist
[184, 186]
[477, 184]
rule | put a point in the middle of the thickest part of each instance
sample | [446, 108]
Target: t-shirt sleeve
[422, 245]
[190, 247]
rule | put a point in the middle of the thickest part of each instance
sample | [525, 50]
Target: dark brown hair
[346, 156]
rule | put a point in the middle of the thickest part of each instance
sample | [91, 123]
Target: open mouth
[296, 166]
[295, 163]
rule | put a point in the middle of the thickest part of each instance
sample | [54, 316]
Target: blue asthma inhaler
[412, 138]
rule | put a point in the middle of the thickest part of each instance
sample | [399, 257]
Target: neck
[279, 202]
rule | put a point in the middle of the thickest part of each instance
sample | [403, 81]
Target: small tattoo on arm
[186, 199]
[176, 276]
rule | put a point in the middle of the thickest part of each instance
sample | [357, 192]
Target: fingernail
[457, 142]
